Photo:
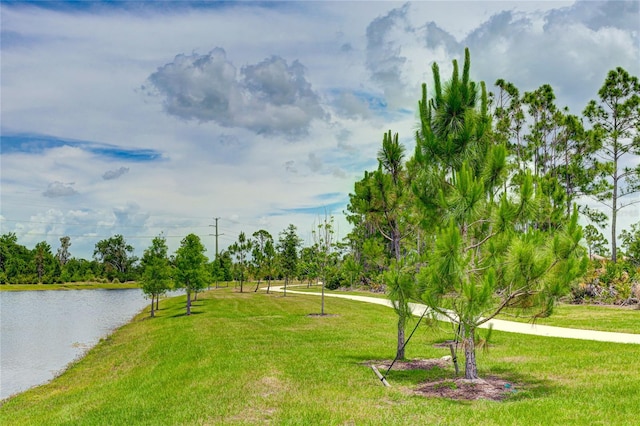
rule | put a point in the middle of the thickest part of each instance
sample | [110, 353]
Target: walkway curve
[499, 325]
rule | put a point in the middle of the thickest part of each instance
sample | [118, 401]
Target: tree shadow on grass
[525, 386]
[184, 314]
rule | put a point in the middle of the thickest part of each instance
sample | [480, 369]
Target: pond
[41, 332]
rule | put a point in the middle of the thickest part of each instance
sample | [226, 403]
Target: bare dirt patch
[492, 387]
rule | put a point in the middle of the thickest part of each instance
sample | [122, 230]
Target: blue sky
[137, 118]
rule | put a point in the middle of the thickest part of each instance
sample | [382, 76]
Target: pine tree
[615, 123]
[487, 257]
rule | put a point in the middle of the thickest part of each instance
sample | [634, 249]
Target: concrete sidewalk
[501, 325]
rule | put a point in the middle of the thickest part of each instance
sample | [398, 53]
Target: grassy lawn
[68, 286]
[591, 317]
[254, 358]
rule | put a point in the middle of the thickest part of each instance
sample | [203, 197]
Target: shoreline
[69, 286]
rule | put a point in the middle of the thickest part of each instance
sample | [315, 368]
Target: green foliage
[288, 245]
[500, 242]
[116, 256]
[220, 268]
[63, 254]
[263, 255]
[156, 270]
[609, 283]
[241, 250]
[596, 242]
[44, 263]
[351, 269]
[14, 260]
[631, 244]
[190, 262]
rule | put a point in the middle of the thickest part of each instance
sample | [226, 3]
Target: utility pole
[216, 234]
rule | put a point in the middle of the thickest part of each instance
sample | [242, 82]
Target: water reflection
[43, 331]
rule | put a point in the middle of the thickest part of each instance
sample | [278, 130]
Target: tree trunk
[286, 280]
[157, 302]
[470, 365]
[268, 285]
[614, 217]
[257, 287]
[152, 311]
[188, 302]
[401, 323]
[614, 201]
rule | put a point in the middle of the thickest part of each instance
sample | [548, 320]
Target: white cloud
[59, 189]
[114, 174]
[271, 97]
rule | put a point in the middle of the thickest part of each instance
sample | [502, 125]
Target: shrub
[608, 282]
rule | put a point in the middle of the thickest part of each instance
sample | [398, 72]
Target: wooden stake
[382, 379]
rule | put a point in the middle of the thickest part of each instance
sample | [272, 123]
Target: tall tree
[270, 262]
[63, 254]
[262, 255]
[241, 250]
[308, 264]
[288, 245]
[14, 260]
[44, 262]
[486, 258]
[191, 272]
[156, 270]
[615, 120]
[351, 268]
[384, 201]
[116, 255]
[547, 140]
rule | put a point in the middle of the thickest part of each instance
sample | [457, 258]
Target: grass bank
[68, 286]
[254, 358]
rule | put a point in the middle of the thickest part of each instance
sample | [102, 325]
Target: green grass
[254, 358]
[590, 317]
[68, 286]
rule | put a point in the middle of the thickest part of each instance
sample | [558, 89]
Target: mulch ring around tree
[491, 387]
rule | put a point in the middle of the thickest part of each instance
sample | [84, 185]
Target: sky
[141, 118]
